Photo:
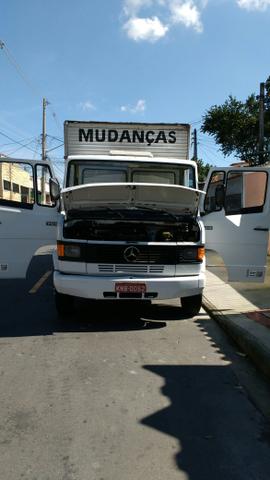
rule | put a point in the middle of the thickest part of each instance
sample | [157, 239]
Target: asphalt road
[122, 393]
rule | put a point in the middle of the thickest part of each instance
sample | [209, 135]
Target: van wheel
[191, 305]
[63, 303]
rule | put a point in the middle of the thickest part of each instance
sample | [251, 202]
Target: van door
[236, 218]
[28, 216]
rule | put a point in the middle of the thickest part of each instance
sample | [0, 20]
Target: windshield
[84, 172]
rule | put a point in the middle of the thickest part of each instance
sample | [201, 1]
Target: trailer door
[28, 216]
[236, 218]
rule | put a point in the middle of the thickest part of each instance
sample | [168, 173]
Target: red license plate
[130, 287]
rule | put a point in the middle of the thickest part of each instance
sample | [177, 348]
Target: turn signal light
[60, 250]
[201, 253]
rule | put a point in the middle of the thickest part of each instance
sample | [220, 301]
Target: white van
[129, 225]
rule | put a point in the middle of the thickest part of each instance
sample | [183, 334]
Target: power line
[19, 148]
[19, 70]
[206, 139]
[210, 147]
[16, 141]
[55, 138]
[205, 155]
[57, 167]
[209, 152]
[24, 77]
[12, 143]
[57, 122]
[58, 146]
[38, 143]
[58, 170]
[195, 122]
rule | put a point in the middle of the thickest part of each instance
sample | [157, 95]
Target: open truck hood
[172, 198]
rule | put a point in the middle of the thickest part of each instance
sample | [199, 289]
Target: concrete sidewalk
[244, 321]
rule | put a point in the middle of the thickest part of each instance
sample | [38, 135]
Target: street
[122, 392]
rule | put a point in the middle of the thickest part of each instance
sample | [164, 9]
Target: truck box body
[99, 138]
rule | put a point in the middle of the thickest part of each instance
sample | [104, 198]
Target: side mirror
[220, 196]
[54, 189]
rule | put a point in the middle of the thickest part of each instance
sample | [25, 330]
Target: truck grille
[119, 255]
[112, 258]
[132, 269]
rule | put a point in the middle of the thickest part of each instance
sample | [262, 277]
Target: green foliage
[235, 126]
[203, 169]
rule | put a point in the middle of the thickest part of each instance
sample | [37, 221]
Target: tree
[235, 126]
[203, 169]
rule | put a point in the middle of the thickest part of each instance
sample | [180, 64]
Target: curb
[251, 344]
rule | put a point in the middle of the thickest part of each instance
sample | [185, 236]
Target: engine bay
[186, 230]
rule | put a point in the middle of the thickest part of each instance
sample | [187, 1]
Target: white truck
[127, 222]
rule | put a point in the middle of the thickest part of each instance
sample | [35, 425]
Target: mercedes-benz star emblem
[131, 254]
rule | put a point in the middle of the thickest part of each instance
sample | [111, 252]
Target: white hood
[174, 198]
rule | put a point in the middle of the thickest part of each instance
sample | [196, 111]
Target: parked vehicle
[129, 225]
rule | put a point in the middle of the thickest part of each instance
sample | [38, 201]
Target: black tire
[191, 305]
[63, 303]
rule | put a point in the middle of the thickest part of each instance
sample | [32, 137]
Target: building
[16, 182]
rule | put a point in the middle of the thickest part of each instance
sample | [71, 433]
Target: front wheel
[191, 305]
[63, 303]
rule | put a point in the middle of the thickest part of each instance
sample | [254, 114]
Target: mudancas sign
[162, 140]
[126, 136]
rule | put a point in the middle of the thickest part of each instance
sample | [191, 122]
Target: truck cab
[130, 229]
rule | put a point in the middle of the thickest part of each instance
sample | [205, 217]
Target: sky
[164, 61]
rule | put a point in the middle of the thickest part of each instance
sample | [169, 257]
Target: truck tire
[63, 303]
[191, 305]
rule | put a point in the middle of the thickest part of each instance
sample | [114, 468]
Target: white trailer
[129, 225]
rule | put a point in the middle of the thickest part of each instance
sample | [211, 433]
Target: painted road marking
[40, 282]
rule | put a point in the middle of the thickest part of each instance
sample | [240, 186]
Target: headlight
[73, 251]
[188, 254]
[191, 254]
[69, 251]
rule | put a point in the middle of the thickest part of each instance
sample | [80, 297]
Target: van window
[217, 181]
[153, 177]
[95, 175]
[245, 192]
[16, 184]
[43, 175]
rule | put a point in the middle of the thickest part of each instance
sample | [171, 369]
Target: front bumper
[94, 287]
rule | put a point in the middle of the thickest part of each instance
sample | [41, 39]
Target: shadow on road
[26, 314]
[36, 315]
[208, 415]
[220, 433]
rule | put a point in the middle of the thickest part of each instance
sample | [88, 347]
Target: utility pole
[195, 145]
[43, 136]
[261, 123]
[44, 153]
